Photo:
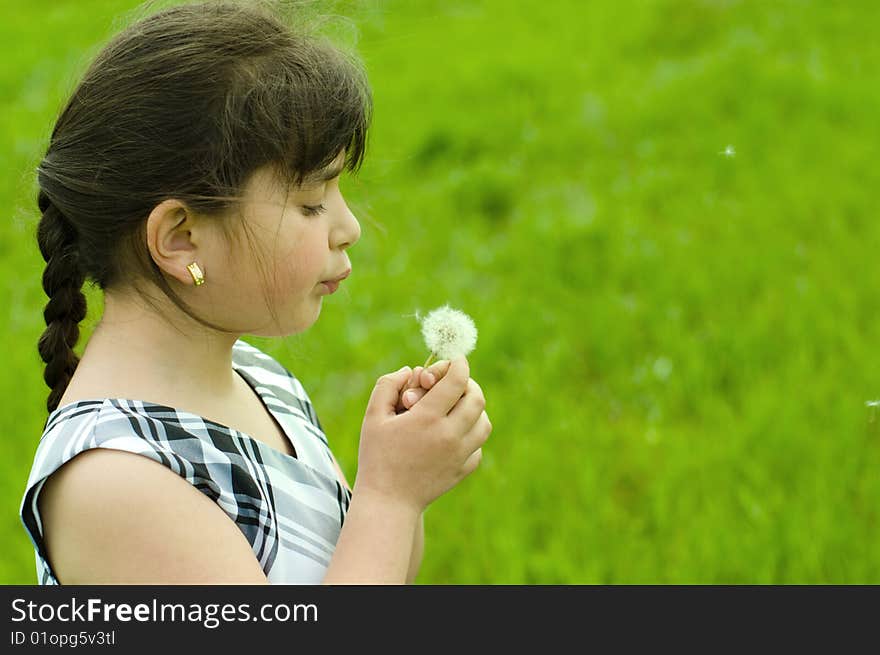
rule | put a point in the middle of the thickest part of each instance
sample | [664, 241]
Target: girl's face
[302, 234]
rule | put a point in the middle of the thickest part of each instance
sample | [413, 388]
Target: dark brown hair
[186, 103]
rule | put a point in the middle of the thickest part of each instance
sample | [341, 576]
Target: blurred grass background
[677, 345]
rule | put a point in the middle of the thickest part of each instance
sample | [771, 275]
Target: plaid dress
[290, 509]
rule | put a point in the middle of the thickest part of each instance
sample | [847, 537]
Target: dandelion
[448, 333]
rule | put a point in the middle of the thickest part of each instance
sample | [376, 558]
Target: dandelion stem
[429, 361]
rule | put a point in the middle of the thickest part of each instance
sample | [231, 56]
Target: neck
[182, 356]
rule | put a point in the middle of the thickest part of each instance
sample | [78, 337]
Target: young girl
[194, 177]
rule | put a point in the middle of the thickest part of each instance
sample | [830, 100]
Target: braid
[62, 282]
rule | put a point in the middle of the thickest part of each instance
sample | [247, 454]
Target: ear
[172, 239]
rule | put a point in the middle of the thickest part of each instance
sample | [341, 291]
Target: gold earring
[196, 272]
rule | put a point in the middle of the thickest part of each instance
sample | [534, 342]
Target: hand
[414, 457]
[421, 380]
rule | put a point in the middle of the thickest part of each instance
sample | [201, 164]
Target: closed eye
[313, 210]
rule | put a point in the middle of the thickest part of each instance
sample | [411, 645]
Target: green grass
[676, 346]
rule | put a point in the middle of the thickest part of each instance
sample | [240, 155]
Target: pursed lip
[339, 278]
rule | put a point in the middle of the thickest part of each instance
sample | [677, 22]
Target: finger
[472, 462]
[406, 401]
[386, 394]
[413, 383]
[444, 394]
[478, 434]
[433, 373]
[411, 397]
[468, 409]
[415, 378]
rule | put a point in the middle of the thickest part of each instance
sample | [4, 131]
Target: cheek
[300, 267]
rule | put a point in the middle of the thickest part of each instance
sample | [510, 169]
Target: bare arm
[373, 543]
[415, 555]
[376, 542]
[114, 517]
[415, 558]
[405, 460]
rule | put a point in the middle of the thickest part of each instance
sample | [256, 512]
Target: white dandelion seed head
[449, 333]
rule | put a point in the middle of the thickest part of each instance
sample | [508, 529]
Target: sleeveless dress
[290, 509]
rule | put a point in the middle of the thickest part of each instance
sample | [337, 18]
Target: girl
[175, 452]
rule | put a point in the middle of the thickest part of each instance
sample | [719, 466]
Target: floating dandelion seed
[728, 152]
[448, 333]
[873, 404]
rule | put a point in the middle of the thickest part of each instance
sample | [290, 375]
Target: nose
[348, 230]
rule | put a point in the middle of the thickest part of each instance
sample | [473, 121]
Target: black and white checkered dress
[290, 509]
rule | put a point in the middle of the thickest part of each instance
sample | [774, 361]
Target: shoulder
[265, 366]
[115, 517]
[269, 372]
[249, 355]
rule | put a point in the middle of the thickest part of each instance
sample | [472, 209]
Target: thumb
[386, 394]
